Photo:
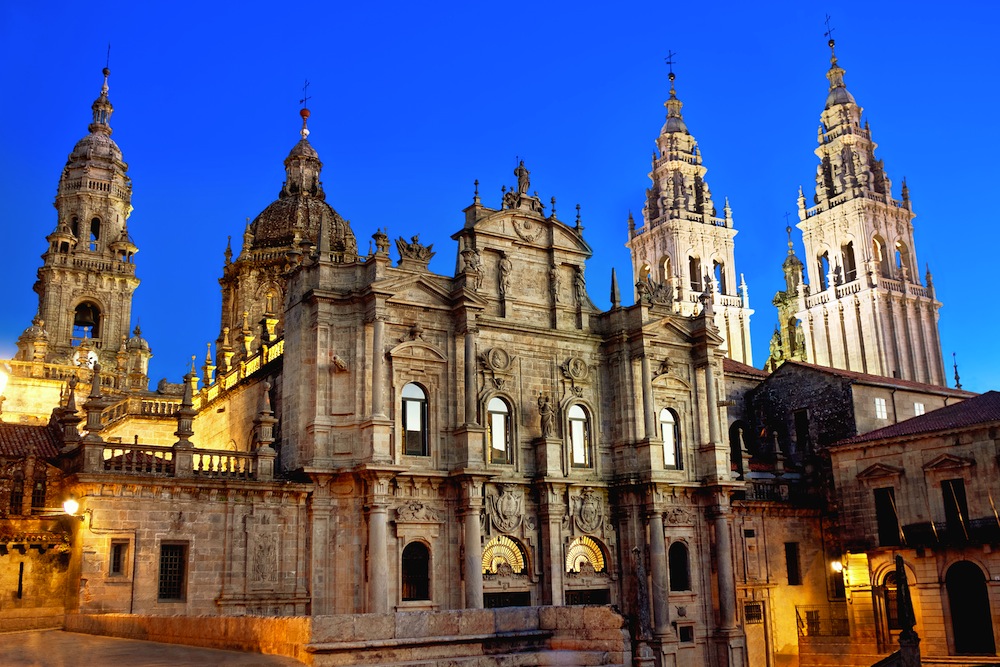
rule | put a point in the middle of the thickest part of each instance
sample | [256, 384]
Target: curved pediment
[418, 350]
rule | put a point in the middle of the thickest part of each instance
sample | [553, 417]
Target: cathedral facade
[372, 440]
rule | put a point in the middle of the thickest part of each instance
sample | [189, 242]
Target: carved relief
[417, 511]
[507, 507]
[264, 558]
[576, 369]
[679, 516]
[527, 229]
[589, 511]
[497, 365]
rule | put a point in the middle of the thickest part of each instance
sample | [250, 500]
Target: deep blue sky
[412, 102]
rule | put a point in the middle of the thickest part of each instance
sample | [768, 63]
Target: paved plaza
[55, 648]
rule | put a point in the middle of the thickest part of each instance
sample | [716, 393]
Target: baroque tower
[864, 308]
[87, 278]
[684, 249]
[285, 234]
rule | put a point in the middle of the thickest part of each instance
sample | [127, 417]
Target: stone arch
[969, 604]
[415, 572]
[586, 552]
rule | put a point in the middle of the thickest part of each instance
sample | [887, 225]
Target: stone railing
[159, 461]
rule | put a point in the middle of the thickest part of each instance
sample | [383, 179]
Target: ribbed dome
[278, 223]
[839, 95]
[674, 124]
[303, 149]
[137, 342]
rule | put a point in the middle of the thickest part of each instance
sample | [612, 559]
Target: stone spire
[102, 109]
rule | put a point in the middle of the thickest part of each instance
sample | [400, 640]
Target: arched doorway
[971, 622]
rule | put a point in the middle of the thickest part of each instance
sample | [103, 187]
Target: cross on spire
[669, 60]
[305, 95]
[829, 31]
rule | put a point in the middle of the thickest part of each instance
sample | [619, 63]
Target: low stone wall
[41, 618]
[479, 636]
[275, 636]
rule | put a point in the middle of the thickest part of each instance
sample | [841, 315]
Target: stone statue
[505, 267]
[554, 283]
[580, 283]
[414, 249]
[546, 414]
[523, 181]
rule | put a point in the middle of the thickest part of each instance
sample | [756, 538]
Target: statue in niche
[505, 268]
[523, 181]
[580, 284]
[546, 414]
[554, 283]
[474, 265]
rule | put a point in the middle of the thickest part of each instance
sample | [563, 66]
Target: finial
[208, 354]
[475, 193]
[193, 358]
[829, 35]
[552, 214]
[670, 65]
[229, 250]
[579, 227]
[958, 381]
[616, 297]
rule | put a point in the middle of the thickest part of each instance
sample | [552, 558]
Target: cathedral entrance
[971, 622]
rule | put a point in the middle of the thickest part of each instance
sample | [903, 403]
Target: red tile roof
[18, 440]
[881, 381]
[982, 409]
[730, 366]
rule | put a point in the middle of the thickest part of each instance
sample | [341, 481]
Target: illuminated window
[918, 409]
[679, 566]
[584, 553]
[416, 572]
[579, 435]
[670, 433]
[503, 556]
[880, 411]
[498, 431]
[414, 420]
[173, 572]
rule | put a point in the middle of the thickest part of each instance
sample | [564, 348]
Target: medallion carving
[507, 507]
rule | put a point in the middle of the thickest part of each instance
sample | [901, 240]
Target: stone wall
[479, 636]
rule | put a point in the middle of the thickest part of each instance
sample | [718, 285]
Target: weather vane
[670, 63]
[305, 95]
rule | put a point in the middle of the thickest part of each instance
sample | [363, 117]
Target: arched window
[644, 273]
[498, 431]
[416, 572]
[719, 271]
[902, 258]
[694, 269]
[74, 227]
[17, 493]
[850, 265]
[889, 598]
[678, 563]
[823, 266]
[87, 321]
[879, 255]
[95, 233]
[670, 433]
[38, 492]
[584, 554]
[579, 436]
[666, 270]
[414, 406]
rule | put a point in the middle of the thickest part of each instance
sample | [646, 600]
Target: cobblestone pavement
[55, 648]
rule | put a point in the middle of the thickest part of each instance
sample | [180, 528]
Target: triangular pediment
[947, 462]
[417, 289]
[880, 471]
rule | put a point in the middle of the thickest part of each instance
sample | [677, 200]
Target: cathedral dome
[839, 95]
[137, 342]
[96, 144]
[300, 215]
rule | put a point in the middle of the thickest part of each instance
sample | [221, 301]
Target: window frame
[164, 586]
[506, 417]
[587, 444]
[118, 552]
[679, 563]
[406, 580]
[422, 405]
[793, 564]
[678, 460]
[881, 408]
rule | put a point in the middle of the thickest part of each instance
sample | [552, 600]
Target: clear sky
[411, 102]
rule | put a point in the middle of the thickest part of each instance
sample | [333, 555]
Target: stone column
[470, 376]
[473, 547]
[713, 404]
[378, 559]
[724, 567]
[647, 399]
[658, 570]
[378, 365]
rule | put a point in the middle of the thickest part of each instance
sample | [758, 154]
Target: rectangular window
[173, 570]
[17, 496]
[956, 509]
[38, 494]
[792, 563]
[918, 409]
[578, 436]
[880, 411]
[753, 613]
[685, 633]
[119, 558]
[886, 518]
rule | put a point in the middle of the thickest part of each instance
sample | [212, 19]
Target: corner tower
[865, 308]
[285, 234]
[87, 277]
[684, 249]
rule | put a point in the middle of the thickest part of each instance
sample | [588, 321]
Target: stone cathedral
[383, 465]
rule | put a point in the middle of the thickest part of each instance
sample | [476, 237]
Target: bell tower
[87, 277]
[865, 308]
[684, 249]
